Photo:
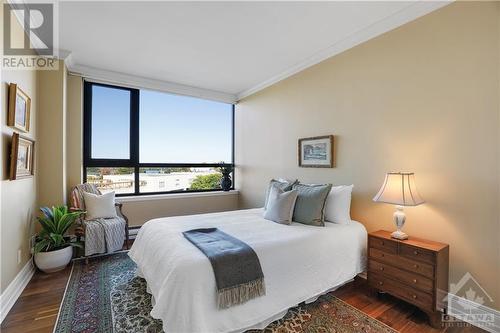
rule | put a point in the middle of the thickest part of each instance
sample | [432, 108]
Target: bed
[299, 263]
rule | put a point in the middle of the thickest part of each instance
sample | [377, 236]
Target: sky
[172, 128]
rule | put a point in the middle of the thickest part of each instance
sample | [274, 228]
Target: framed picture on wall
[21, 157]
[19, 108]
[316, 152]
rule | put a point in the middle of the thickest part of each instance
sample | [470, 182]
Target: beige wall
[74, 133]
[423, 98]
[17, 198]
[142, 210]
[52, 131]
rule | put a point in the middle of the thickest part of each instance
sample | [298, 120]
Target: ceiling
[227, 49]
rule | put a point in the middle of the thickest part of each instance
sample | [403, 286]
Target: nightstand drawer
[384, 244]
[411, 279]
[415, 270]
[402, 262]
[415, 253]
[397, 289]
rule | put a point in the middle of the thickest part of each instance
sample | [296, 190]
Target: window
[189, 130]
[110, 123]
[146, 142]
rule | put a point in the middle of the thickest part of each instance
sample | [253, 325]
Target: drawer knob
[380, 283]
[415, 252]
[414, 280]
[416, 266]
[381, 268]
[414, 296]
[382, 255]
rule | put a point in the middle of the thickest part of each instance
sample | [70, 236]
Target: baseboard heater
[133, 231]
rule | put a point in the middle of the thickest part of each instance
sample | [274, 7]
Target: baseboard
[15, 288]
[478, 315]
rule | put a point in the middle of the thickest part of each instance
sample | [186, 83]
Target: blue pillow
[310, 203]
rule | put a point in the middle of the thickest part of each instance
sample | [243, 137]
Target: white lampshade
[399, 188]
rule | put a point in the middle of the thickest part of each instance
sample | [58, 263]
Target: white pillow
[338, 204]
[99, 206]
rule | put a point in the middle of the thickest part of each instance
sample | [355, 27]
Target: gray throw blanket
[104, 235]
[236, 266]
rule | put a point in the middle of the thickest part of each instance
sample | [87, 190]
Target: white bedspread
[298, 262]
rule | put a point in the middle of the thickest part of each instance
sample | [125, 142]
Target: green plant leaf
[65, 223]
[47, 224]
[55, 223]
[57, 213]
[43, 245]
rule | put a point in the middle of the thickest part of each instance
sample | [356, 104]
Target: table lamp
[399, 189]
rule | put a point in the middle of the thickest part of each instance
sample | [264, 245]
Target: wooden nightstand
[414, 270]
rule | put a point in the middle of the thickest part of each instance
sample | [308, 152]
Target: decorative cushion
[99, 206]
[284, 184]
[338, 204]
[310, 204]
[280, 205]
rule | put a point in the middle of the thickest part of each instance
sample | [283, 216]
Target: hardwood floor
[37, 307]
[395, 313]
[36, 310]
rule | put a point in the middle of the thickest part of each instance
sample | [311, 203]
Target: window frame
[133, 161]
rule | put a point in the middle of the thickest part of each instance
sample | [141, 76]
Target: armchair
[98, 234]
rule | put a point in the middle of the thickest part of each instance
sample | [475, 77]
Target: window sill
[169, 196]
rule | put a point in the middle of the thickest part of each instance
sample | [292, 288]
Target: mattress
[299, 263]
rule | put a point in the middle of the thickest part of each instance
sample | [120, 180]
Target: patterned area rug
[105, 296]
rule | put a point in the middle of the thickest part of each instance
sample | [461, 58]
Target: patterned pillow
[310, 204]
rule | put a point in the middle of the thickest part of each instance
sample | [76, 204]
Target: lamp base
[399, 235]
[399, 219]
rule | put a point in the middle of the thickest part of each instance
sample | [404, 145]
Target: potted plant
[225, 182]
[53, 250]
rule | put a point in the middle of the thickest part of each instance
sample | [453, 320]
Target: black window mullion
[87, 125]
[181, 165]
[136, 180]
[232, 143]
[134, 135]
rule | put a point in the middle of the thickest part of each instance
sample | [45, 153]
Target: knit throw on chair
[101, 235]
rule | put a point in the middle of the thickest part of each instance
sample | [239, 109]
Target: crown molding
[112, 77]
[386, 24]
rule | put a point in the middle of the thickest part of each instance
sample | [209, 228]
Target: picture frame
[21, 157]
[19, 108]
[317, 152]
